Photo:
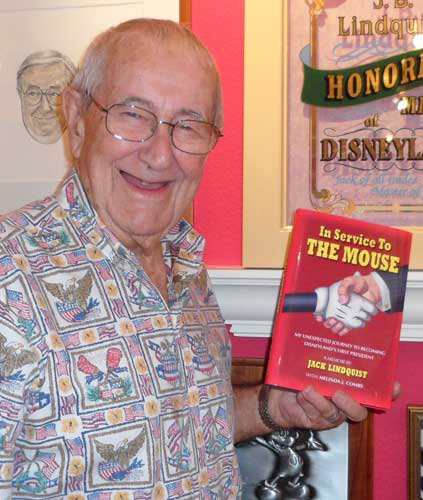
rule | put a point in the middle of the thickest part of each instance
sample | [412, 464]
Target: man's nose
[44, 103]
[159, 148]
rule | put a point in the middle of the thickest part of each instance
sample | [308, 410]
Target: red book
[349, 275]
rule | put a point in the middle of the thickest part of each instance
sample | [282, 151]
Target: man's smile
[143, 184]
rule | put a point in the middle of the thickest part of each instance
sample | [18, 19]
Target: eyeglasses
[34, 95]
[128, 122]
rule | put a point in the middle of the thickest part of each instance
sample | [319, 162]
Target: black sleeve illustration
[300, 302]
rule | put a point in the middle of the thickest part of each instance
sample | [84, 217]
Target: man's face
[140, 190]
[41, 112]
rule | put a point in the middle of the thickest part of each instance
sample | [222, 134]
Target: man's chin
[46, 136]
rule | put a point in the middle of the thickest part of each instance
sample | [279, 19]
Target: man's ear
[74, 117]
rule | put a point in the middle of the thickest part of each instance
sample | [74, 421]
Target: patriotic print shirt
[106, 391]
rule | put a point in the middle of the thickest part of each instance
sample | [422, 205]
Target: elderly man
[114, 358]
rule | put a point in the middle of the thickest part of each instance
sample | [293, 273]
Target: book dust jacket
[340, 308]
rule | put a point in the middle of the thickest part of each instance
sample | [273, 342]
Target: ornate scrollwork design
[316, 6]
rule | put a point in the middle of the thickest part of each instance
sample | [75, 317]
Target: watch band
[263, 408]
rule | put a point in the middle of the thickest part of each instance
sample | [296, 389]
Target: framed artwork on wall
[42, 42]
[415, 453]
[340, 118]
[359, 110]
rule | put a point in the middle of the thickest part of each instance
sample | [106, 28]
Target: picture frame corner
[414, 450]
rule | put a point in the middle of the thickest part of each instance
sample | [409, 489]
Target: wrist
[381, 292]
[322, 298]
[264, 409]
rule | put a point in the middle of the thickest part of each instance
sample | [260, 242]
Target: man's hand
[306, 409]
[310, 410]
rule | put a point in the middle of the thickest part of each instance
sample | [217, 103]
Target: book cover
[339, 315]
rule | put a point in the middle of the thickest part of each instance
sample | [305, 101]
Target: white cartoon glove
[355, 314]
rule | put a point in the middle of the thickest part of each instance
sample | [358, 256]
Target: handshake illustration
[353, 314]
[351, 302]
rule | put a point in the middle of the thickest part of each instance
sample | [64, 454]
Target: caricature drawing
[41, 78]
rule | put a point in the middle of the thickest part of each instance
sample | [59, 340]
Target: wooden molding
[415, 424]
[360, 480]
[185, 17]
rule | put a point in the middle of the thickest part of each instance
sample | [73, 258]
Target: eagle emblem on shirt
[14, 356]
[74, 297]
[120, 460]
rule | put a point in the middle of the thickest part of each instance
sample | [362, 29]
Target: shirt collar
[182, 245]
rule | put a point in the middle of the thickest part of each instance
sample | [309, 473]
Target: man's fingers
[329, 323]
[338, 327]
[344, 331]
[353, 410]
[311, 412]
[315, 405]
[333, 324]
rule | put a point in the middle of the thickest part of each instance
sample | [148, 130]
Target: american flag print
[15, 300]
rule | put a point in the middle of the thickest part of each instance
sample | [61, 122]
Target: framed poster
[360, 106]
[40, 34]
[415, 452]
[340, 113]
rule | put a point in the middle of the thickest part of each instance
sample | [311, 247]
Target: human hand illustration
[368, 286]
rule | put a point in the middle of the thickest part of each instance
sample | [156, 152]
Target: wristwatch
[263, 408]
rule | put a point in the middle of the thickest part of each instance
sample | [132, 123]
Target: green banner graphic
[361, 84]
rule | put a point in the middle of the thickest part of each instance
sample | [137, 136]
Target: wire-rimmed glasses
[34, 94]
[129, 122]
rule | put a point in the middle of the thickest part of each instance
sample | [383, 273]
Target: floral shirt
[107, 392]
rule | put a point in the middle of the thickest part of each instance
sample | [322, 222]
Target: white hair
[94, 63]
[45, 57]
